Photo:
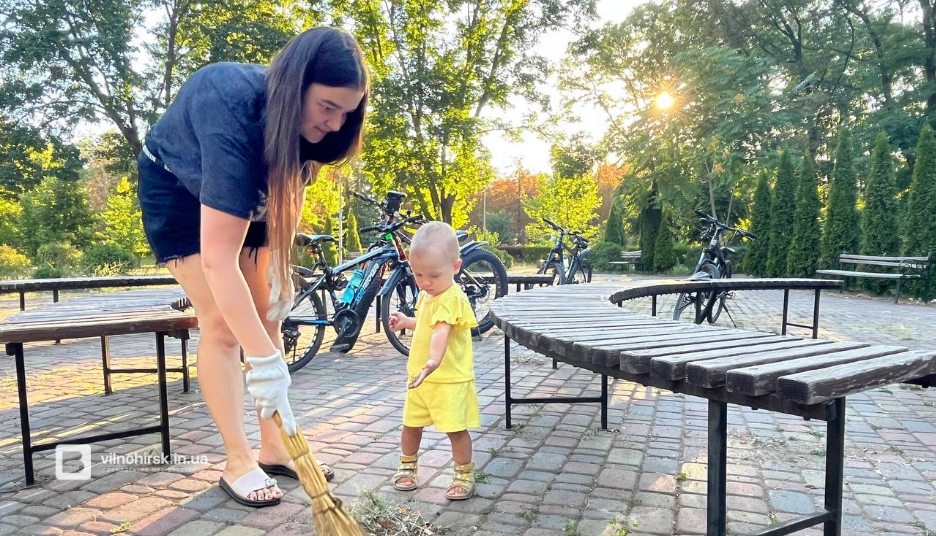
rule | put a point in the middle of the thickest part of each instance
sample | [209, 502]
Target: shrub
[755, 261]
[842, 231]
[48, 272]
[527, 254]
[804, 248]
[504, 257]
[12, 262]
[602, 254]
[782, 208]
[61, 256]
[615, 230]
[107, 259]
[663, 256]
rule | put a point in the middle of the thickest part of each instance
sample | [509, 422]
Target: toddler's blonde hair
[435, 237]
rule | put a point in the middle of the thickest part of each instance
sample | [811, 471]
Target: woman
[222, 178]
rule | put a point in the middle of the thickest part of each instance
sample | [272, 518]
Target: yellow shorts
[451, 407]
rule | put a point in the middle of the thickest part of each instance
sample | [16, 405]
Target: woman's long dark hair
[323, 56]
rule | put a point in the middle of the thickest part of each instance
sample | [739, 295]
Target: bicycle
[714, 263]
[577, 270]
[304, 329]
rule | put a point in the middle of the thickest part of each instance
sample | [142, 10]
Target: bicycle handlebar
[714, 221]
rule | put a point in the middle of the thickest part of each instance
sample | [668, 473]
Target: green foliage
[782, 208]
[506, 258]
[27, 156]
[615, 229]
[122, 221]
[528, 254]
[842, 233]
[648, 225]
[879, 223]
[49, 272]
[755, 261]
[603, 254]
[10, 212]
[804, 248]
[569, 202]
[56, 211]
[664, 258]
[107, 259]
[13, 264]
[60, 255]
[502, 223]
[921, 208]
[353, 243]
[329, 248]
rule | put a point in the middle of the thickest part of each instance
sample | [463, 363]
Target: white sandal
[241, 488]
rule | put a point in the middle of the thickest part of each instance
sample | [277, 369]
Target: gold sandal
[406, 469]
[464, 479]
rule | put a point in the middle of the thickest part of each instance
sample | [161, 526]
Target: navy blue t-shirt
[211, 138]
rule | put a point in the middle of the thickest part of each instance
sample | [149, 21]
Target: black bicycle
[714, 263]
[567, 269]
[482, 277]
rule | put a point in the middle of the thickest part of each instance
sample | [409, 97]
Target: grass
[681, 476]
[818, 452]
[929, 404]
[382, 518]
[481, 477]
[875, 427]
[529, 515]
[618, 527]
[924, 530]
[815, 433]
[122, 528]
[378, 437]
[569, 528]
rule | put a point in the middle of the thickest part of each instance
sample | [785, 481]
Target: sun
[664, 101]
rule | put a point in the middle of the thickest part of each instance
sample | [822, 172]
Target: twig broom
[329, 517]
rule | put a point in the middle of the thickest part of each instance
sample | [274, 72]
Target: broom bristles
[327, 513]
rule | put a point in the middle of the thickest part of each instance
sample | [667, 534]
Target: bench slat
[762, 379]
[847, 257]
[828, 383]
[610, 355]
[673, 367]
[712, 373]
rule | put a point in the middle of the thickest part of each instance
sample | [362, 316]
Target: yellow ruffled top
[449, 307]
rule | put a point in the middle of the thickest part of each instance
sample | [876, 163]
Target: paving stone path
[555, 473]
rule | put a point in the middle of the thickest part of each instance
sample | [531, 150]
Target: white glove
[268, 383]
[281, 297]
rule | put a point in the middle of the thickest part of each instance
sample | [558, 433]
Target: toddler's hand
[427, 370]
[395, 321]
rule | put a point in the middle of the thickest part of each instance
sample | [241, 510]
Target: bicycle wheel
[402, 298]
[557, 271]
[721, 297]
[684, 301]
[582, 274]
[303, 331]
[483, 278]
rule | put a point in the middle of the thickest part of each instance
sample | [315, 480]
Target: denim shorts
[172, 214]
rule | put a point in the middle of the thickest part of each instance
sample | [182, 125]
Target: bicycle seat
[311, 240]
[462, 235]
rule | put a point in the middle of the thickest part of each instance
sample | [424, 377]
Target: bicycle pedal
[341, 347]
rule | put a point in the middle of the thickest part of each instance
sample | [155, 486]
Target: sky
[532, 152]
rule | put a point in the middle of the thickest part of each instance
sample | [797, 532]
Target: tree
[615, 229]
[842, 233]
[121, 220]
[438, 67]
[755, 262]
[921, 208]
[782, 208]
[879, 222]
[650, 219]
[56, 211]
[329, 248]
[354, 239]
[663, 256]
[804, 247]
[568, 202]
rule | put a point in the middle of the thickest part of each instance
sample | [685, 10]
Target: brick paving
[555, 473]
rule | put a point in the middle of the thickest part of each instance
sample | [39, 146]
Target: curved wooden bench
[580, 325]
[138, 311]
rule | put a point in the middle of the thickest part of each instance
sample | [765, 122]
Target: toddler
[440, 375]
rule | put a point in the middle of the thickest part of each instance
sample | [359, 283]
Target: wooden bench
[22, 286]
[628, 257]
[139, 311]
[809, 378]
[907, 268]
[528, 281]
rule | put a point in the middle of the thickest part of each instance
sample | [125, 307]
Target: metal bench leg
[105, 361]
[897, 296]
[55, 299]
[815, 316]
[22, 301]
[163, 395]
[555, 364]
[835, 462]
[507, 399]
[786, 308]
[16, 350]
[717, 517]
[185, 367]
[604, 402]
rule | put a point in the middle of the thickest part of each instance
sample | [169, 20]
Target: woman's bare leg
[220, 377]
